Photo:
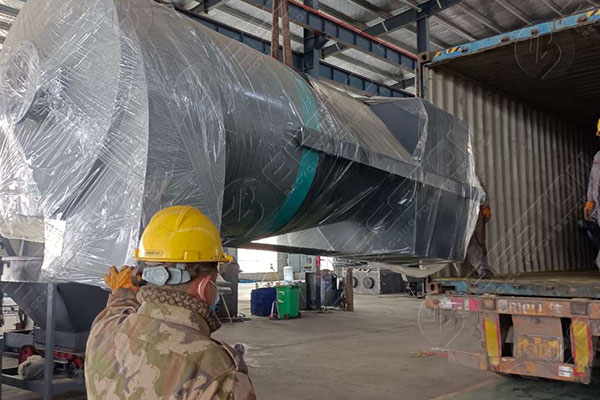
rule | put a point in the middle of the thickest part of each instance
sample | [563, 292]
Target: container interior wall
[534, 167]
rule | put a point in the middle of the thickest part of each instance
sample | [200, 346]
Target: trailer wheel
[369, 283]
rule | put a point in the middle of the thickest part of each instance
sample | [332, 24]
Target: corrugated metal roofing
[22, 248]
[8, 11]
[467, 21]
[471, 19]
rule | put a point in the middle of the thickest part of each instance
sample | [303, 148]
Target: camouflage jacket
[157, 345]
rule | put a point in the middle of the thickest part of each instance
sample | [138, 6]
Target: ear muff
[166, 275]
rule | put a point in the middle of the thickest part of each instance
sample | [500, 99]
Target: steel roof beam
[450, 26]
[406, 83]
[428, 9]
[386, 14]
[299, 40]
[514, 11]
[326, 70]
[396, 22]
[344, 34]
[362, 26]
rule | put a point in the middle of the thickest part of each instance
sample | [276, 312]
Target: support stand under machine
[62, 314]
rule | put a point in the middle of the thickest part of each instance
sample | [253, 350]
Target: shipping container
[534, 167]
[531, 100]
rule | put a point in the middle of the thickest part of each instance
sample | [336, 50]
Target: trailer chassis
[553, 338]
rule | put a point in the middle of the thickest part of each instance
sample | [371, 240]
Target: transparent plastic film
[111, 110]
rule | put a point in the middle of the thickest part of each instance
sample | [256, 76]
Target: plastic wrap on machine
[111, 110]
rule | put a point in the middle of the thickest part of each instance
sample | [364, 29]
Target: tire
[369, 283]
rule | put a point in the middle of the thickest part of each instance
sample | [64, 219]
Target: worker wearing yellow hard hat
[154, 342]
[181, 234]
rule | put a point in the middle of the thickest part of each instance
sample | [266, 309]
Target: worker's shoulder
[164, 337]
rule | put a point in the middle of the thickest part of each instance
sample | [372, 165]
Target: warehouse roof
[458, 22]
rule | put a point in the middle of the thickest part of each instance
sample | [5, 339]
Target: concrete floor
[389, 348]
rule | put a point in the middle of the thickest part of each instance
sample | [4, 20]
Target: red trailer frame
[554, 338]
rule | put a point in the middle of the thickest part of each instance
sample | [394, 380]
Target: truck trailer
[544, 325]
[533, 121]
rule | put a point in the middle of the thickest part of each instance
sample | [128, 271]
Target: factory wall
[257, 261]
[534, 167]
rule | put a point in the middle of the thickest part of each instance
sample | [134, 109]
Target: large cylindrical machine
[113, 109]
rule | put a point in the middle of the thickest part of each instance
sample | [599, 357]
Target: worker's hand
[587, 211]
[120, 279]
[486, 211]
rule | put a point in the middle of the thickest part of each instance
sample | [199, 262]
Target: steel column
[312, 53]
[1, 367]
[423, 42]
[313, 42]
[396, 22]
[349, 289]
[287, 43]
[423, 46]
[275, 30]
[49, 355]
[403, 84]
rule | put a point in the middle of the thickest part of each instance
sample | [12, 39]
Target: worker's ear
[203, 287]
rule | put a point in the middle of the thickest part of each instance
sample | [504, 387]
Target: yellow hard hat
[598, 131]
[181, 234]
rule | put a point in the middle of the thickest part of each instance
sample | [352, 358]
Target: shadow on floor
[523, 388]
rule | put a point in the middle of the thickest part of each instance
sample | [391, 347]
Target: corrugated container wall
[534, 167]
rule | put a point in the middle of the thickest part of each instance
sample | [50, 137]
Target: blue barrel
[261, 301]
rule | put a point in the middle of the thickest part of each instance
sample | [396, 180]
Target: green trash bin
[288, 300]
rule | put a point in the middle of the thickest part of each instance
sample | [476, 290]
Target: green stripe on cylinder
[308, 163]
